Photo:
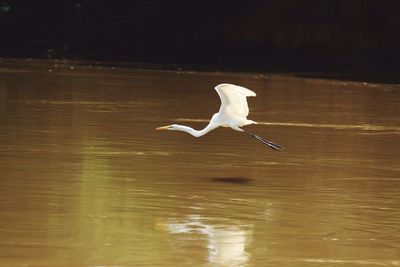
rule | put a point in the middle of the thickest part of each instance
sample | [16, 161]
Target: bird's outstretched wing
[233, 99]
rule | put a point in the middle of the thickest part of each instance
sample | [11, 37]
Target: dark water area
[349, 36]
[86, 180]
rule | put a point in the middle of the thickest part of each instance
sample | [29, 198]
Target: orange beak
[162, 128]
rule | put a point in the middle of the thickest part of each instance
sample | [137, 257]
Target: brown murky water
[87, 181]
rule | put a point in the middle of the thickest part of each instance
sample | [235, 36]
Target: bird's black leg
[265, 141]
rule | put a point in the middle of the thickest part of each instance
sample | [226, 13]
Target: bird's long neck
[194, 132]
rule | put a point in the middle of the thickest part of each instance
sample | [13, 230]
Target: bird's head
[172, 127]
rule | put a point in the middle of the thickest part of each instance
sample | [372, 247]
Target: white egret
[232, 113]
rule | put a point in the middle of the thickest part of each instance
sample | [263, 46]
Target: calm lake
[86, 180]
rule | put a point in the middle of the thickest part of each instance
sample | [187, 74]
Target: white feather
[233, 100]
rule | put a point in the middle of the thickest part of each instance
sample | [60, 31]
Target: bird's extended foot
[265, 141]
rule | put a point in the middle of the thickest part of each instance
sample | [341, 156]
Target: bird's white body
[232, 113]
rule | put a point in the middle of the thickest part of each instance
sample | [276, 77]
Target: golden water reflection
[86, 181]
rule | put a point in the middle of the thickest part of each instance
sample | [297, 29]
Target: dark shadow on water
[232, 180]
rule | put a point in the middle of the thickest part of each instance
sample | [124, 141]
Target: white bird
[232, 113]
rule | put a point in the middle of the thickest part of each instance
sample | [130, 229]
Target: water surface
[87, 181]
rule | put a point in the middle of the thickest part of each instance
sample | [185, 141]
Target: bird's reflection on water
[226, 245]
